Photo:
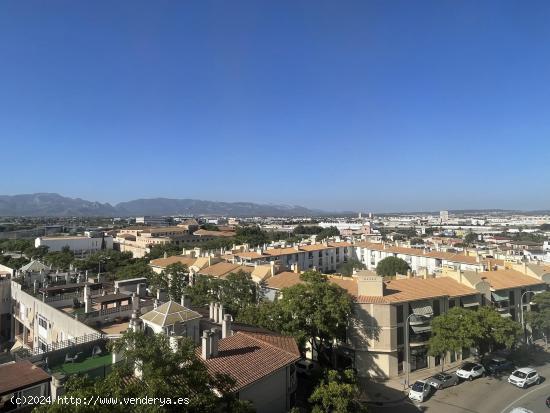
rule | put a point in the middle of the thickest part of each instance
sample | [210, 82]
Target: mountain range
[50, 204]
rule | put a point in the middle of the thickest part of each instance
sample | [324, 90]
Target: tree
[327, 233]
[166, 373]
[470, 239]
[489, 329]
[315, 311]
[210, 227]
[338, 393]
[483, 329]
[136, 269]
[539, 316]
[236, 292]
[60, 259]
[252, 235]
[390, 266]
[347, 268]
[178, 279]
[450, 332]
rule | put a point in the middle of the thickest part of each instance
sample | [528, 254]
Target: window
[451, 303]
[436, 309]
[399, 310]
[42, 322]
[512, 297]
[400, 336]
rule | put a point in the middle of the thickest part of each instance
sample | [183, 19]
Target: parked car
[443, 380]
[420, 391]
[524, 377]
[521, 410]
[497, 365]
[470, 371]
[305, 367]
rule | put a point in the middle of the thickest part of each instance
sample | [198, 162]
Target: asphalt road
[483, 395]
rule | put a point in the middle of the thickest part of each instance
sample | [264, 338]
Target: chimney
[206, 344]
[214, 339]
[272, 268]
[211, 308]
[165, 254]
[226, 326]
[297, 247]
[370, 285]
[409, 274]
[216, 312]
[135, 323]
[117, 290]
[524, 267]
[220, 314]
[87, 299]
[135, 302]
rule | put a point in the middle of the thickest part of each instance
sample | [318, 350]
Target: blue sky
[367, 105]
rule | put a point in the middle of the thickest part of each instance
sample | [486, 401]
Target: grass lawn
[88, 364]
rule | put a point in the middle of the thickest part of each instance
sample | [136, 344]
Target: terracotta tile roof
[347, 283]
[284, 279]
[249, 357]
[503, 279]
[275, 252]
[418, 289]
[207, 233]
[222, 269]
[164, 262]
[19, 375]
[249, 254]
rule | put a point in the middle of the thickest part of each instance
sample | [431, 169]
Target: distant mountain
[166, 206]
[47, 204]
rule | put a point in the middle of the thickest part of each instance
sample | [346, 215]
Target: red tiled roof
[249, 357]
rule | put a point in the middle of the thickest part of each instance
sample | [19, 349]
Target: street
[483, 395]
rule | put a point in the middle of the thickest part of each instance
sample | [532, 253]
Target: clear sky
[366, 105]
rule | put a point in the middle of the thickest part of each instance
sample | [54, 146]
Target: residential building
[80, 245]
[22, 380]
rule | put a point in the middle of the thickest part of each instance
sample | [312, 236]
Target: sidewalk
[384, 392]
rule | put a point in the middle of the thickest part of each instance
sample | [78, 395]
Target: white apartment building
[370, 254]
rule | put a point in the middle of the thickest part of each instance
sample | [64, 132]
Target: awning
[498, 297]
[469, 301]
[422, 308]
[421, 329]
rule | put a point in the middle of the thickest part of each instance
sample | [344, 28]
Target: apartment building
[370, 254]
[138, 240]
[324, 256]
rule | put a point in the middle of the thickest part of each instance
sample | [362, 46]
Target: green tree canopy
[337, 393]
[483, 329]
[539, 316]
[236, 292]
[165, 373]
[346, 268]
[470, 238]
[390, 266]
[316, 311]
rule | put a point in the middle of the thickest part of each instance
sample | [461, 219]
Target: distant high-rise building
[444, 216]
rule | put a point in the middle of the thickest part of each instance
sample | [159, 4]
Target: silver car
[443, 380]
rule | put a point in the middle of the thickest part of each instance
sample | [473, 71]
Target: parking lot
[482, 395]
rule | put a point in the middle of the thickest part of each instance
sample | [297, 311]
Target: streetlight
[522, 311]
[407, 347]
